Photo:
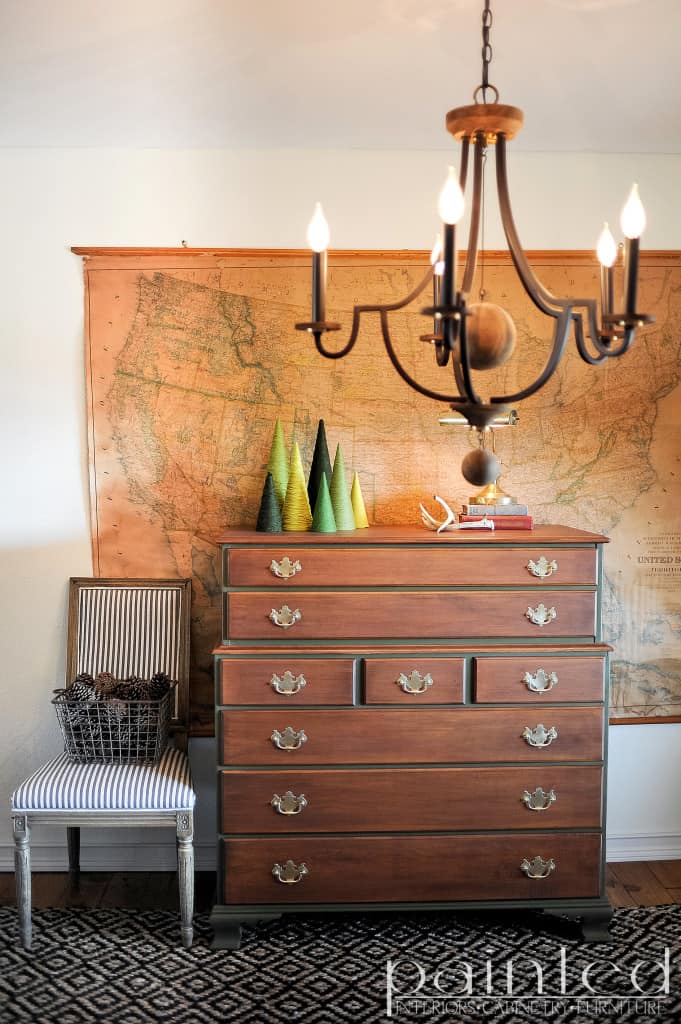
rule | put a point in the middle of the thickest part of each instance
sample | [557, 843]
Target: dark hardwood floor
[640, 884]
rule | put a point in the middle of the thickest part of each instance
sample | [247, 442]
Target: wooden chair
[126, 627]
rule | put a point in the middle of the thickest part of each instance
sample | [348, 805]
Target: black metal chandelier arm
[406, 377]
[602, 345]
[581, 343]
[463, 164]
[561, 333]
[474, 230]
[357, 312]
[540, 295]
[464, 357]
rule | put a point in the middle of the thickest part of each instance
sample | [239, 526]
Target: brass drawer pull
[540, 736]
[541, 681]
[541, 615]
[538, 867]
[414, 682]
[285, 617]
[542, 568]
[539, 800]
[290, 873]
[289, 739]
[289, 803]
[285, 568]
[288, 684]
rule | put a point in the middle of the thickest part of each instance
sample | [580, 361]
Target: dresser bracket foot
[594, 921]
[227, 927]
[595, 925]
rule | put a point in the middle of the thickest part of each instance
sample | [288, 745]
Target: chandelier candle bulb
[607, 254]
[318, 240]
[632, 222]
[438, 271]
[450, 206]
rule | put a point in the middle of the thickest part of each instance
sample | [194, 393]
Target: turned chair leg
[73, 843]
[22, 870]
[185, 874]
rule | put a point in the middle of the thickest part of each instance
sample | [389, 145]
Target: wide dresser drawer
[357, 869]
[403, 566]
[324, 615]
[411, 735]
[410, 799]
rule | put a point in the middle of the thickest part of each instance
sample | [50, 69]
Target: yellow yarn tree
[358, 507]
[278, 463]
[296, 513]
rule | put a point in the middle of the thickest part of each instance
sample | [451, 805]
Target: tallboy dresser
[411, 720]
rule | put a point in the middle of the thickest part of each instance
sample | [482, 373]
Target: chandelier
[468, 336]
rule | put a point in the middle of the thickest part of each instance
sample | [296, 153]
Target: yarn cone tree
[358, 507]
[269, 516]
[278, 463]
[296, 513]
[321, 463]
[323, 520]
[340, 496]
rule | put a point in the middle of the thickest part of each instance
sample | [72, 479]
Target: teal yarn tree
[340, 495]
[269, 515]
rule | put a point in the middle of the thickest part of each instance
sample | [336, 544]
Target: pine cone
[138, 690]
[105, 685]
[104, 679]
[159, 684]
[83, 691]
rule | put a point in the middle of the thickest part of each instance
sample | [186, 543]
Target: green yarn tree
[296, 513]
[278, 463]
[321, 463]
[323, 520]
[340, 496]
[269, 516]
[358, 507]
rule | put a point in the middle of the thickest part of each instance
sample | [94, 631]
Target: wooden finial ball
[491, 335]
[481, 467]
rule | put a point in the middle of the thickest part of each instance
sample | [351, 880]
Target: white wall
[52, 199]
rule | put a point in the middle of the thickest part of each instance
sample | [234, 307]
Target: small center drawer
[286, 681]
[413, 680]
[347, 869]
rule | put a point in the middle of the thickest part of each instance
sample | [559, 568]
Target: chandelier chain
[486, 48]
[482, 229]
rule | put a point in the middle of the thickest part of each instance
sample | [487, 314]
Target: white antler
[449, 522]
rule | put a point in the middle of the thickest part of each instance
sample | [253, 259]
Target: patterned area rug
[125, 967]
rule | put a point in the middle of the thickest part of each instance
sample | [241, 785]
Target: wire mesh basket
[113, 730]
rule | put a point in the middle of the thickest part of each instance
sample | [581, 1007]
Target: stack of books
[504, 517]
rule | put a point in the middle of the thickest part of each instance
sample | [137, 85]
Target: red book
[502, 522]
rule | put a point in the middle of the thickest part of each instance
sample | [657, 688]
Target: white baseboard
[110, 856]
[643, 846]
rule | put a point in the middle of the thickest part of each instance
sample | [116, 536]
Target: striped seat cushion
[62, 785]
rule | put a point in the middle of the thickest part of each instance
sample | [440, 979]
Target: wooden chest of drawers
[407, 719]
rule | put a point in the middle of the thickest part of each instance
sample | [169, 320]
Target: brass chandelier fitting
[479, 336]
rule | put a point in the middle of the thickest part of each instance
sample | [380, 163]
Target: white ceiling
[597, 75]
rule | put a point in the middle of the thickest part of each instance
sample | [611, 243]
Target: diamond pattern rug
[126, 967]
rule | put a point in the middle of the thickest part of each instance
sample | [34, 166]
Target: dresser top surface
[413, 535]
